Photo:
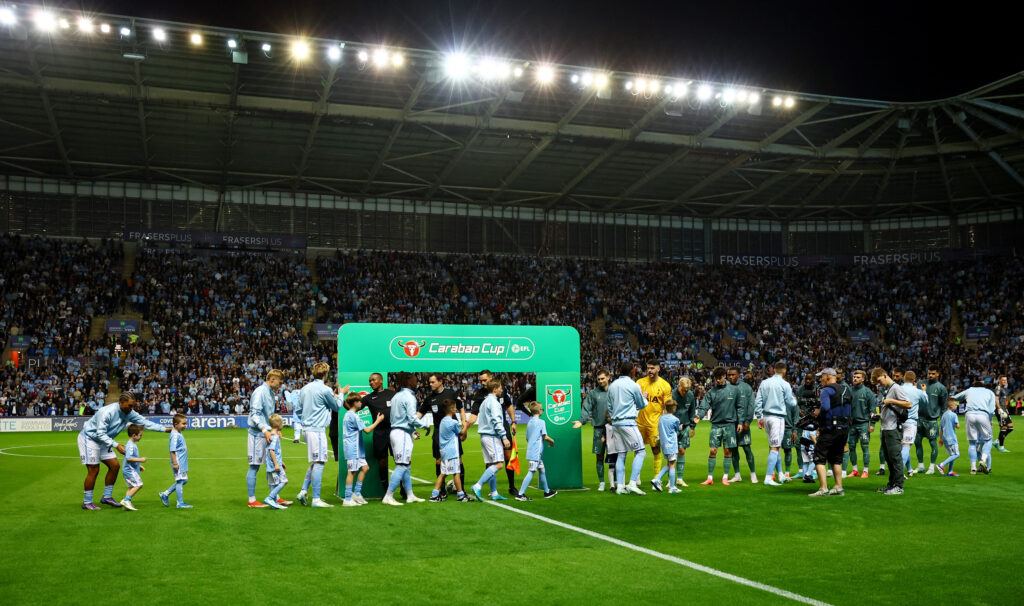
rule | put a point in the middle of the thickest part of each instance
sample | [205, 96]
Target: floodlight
[456, 66]
[575, 78]
[741, 96]
[654, 86]
[777, 101]
[517, 72]
[397, 59]
[703, 92]
[85, 25]
[126, 31]
[196, 39]
[64, 23]
[45, 21]
[728, 95]
[668, 89]
[600, 81]
[266, 48]
[159, 34]
[300, 50]
[105, 28]
[334, 53]
[232, 43]
[641, 85]
[629, 85]
[680, 89]
[7, 16]
[363, 56]
[753, 98]
[587, 79]
[545, 74]
[790, 102]
[380, 57]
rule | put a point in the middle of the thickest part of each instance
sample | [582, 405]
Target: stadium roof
[124, 106]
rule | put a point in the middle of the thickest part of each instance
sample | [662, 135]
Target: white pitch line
[669, 558]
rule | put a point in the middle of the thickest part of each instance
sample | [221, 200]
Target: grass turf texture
[947, 540]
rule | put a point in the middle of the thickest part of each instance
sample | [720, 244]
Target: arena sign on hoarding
[11, 424]
[477, 349]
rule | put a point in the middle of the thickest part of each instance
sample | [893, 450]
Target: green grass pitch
[946, 541]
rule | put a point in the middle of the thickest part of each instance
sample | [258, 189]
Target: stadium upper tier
[215, 321]
[100, 98]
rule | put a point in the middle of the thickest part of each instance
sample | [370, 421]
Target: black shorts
[381, 444]
[436, 443]
[829, 448]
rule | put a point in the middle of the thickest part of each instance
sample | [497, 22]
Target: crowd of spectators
[216, 321]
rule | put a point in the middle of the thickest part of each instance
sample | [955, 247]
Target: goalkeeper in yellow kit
[657, 391]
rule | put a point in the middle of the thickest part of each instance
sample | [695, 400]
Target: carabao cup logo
[412, 348]
[558, 405]
[558, 396]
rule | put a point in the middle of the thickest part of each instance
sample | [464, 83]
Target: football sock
[250, 481]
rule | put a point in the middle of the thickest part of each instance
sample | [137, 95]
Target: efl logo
[412, 348]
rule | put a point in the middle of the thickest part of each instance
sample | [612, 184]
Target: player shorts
[953, 449]
[927, 429]
[131, 477]
[649, 435]
[277, 477]
[859, 432]
[829, 448]
[535, 465]
[979, 426]
[381, 444]
[684, 437]
[722, 436]
[612, 443]
[92, 452]
[401, 446]
[788, 443]
[450, 467]
[599, 446]
[743, 437]
[628, 437]
[180, 476]
[317, 446]
[493, 449]
[355, 464]
[257, 449]
[774, 427]
[909, 433]
[671, 458]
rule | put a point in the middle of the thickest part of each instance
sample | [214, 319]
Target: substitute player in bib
[261, 406]
[536, 436]
[656, 391]
[721, 401]
[773, 403]
[318, 401]
[625, 400]
[493, 440]
[96, 444]
[595, 411]
[404, 423]
[744, 416]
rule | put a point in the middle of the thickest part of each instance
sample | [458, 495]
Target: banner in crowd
[327, 332]
[861, 336]
[211, 238]
[123, 327]
[978, 332]
[910, 258]
[738, 335]
[19, 342]
[615, 335]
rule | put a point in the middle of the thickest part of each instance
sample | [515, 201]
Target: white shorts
[953, 449]
[316, 446]
[355, 464]
[401, 446]
[132, 477]
[776, 428]
[493, 449]
[535, 465]
[450, 467]
[180, 475]
[611, 442]
[909, 433]
[671, 458]
[629, 438]
[274, 477]
[257, 449]
[979, 426]
[297, 425]
[92, 452]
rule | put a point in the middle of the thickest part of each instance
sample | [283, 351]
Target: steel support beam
[141, 106]
[319, 111]
[984, 147]
[484, 123]
[51, 118]
[382, 156]
[934, 126]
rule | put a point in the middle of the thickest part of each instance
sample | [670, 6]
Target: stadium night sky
[898, 51]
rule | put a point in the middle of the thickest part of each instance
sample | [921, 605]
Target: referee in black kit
[432, 404]
[379, 401]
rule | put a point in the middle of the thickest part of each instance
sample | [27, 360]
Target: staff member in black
[509, 408]
[378, 401]
[833, 422]
[432, 404]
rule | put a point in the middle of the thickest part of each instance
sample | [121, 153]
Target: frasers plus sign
[462, 348]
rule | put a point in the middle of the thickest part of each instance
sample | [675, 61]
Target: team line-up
[626, 414]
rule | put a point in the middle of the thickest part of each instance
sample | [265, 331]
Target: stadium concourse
[215, 322]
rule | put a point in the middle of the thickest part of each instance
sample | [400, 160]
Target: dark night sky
[896, 51]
